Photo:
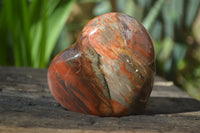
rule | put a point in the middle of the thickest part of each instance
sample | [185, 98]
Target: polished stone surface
[109, 71]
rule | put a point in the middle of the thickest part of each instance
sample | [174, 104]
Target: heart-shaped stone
[109, 71]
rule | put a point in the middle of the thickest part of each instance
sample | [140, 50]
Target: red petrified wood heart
[109, 71]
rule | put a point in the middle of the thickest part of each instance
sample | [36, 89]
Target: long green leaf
[36, 31]
[151, 17]
[51, 6]
[191, 11]
[35, 11]
[43, 39]
[55, 25]
[25, 36]
[12, 17]
[3, 38]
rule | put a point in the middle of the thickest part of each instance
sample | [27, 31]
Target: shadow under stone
[166, 105]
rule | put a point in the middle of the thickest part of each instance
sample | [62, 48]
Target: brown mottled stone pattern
[109, 71]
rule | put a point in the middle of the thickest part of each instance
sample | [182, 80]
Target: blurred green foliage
[33, 31]
[30, 29]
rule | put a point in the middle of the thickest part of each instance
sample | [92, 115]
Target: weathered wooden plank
[26, 105]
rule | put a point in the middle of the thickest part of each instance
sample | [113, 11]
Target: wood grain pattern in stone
[109, 71]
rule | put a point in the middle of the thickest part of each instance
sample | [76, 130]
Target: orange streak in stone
[118, 109]
[131, 77]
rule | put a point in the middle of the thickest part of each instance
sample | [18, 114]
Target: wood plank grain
[26, 105]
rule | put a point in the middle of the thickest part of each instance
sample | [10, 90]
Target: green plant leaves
[3, 38]
[33, 27]
[192, 8]
[55, 24]
[151, 17]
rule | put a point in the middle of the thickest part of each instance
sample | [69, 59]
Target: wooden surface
[26, 105]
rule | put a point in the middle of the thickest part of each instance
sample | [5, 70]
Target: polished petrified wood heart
[109, 71]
